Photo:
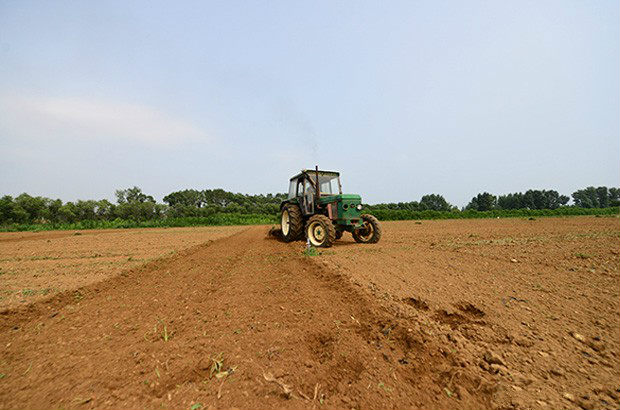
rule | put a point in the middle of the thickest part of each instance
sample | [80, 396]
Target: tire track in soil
[149, 339]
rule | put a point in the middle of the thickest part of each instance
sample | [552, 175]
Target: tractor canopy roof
[312, 172]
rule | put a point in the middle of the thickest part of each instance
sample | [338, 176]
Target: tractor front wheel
[320, 231]
[292, 223]
[370, 232]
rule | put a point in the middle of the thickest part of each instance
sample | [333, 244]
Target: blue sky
[404, 98]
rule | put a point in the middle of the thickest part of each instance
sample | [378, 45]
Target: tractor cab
[303, 188]
[317, 207]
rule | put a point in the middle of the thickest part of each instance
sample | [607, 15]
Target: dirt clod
[493, 358]
[579, 337]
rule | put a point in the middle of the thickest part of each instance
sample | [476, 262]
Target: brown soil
[445, 314]
[37, 265]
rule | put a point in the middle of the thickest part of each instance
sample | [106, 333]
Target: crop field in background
[471, 313]
[229, 219]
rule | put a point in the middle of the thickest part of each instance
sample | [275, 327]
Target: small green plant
[218, 369]
[382, 385]
[28, 292]
[165, 336]
[217, 363]
[311, 251]
[196, 406]
[582, 255]
[160, 332]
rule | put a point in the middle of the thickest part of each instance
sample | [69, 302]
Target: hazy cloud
[42, 117]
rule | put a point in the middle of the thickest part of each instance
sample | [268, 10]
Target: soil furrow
[245, 322]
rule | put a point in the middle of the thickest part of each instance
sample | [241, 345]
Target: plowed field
[474, 314]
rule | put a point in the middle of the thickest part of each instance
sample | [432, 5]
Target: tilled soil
[37, 265]
[542, 295]
[445, 314]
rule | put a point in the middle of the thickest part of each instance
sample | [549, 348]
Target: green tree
[85, 210]
[67, 213]
[482, 202]
[586, 198]
[188, 197]
[533, 199]
[12, 212]
[6, 209]
[614, 197]
[53, 208]
[602, 195]
[217, 197]
[510, 201]
[105, 210]
[563, 200]
[133, 194]
[35, 207]
[434, 202]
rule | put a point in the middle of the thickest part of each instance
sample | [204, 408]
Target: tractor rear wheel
[320, 231]
[292, 223]
[370, 232]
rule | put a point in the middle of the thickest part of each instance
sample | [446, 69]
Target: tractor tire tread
[296, 223]
[376, 225]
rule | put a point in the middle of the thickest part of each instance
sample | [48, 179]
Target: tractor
[317, 210]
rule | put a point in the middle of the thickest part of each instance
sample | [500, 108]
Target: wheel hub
[319, 233]
[366, 231]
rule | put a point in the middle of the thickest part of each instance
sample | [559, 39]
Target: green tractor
[317, 210]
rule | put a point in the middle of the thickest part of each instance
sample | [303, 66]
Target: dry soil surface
[445, 314]
[37, 265]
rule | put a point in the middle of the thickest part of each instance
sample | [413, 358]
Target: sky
[405, 98]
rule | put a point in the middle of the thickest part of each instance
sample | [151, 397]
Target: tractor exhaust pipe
[318, 189]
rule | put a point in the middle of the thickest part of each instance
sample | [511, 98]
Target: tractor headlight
[359, 207]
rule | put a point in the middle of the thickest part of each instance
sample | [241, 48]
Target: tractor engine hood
[344, 209]
[351, 199]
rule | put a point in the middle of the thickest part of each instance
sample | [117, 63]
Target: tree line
[219, 205]
[591, 197]
[134, 205]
